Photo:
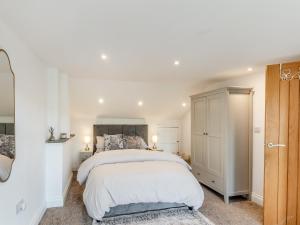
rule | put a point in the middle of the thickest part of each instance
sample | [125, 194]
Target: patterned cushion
[113, 142]
[7, 145]
[100, 143]
[134, 142]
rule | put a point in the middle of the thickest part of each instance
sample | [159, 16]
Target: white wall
[257, 82]
[27, 178]
[64, 104]
[58, 102]
[7, 88]
[84, 127]
[7, 119]
[53, 100]
[58, 172]
[162, 105]
[185, 148]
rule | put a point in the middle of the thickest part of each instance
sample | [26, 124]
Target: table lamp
[87, 140]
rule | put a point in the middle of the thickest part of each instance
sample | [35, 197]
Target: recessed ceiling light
[140, 103]
[101, 100]
[183, 104]
[250, 69]
[176, 63]
[103, 57]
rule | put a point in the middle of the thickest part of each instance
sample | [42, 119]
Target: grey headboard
[128, 130]
[7, 128]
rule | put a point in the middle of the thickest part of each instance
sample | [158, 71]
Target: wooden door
[199, 133]
[214, 134]
[281, 185]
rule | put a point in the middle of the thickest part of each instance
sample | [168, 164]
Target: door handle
[271, 145]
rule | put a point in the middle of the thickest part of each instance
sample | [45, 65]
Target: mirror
[7, 117]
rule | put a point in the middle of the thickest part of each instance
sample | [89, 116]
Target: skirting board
[58, 201]
[67, 187]
[55, 202]
[258, 199]
[38, 215]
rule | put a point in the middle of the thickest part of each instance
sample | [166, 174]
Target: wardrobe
[222, 140]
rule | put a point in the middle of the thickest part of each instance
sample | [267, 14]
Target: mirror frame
[14, 87]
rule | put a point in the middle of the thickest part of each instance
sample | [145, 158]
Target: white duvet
[5, 167]
[122, 177]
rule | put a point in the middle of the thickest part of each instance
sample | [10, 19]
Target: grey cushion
[141, 143]
[7, 145]
[134, 142]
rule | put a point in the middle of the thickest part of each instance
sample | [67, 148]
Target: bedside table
[187, 159]
[158, 150]
[85, 154]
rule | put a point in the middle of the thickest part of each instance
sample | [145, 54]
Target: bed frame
[7, 128]
[128, 130]
[136, 208]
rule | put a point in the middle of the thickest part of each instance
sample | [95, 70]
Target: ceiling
[212, 39]
[160, 102]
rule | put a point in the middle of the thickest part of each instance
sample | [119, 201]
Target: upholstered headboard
[128, 130]
[7, 128]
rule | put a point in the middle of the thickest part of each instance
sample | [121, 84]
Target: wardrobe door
[214, 134]
[198, 133]
[199, 125]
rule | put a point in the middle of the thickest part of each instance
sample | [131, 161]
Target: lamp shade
[154, 138]
[87, 139]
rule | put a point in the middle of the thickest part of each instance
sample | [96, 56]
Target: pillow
[7, 145]
[141, 143]
[134, 142]
[113, 142]
[5, 167]
[100, 143]
[130, 142]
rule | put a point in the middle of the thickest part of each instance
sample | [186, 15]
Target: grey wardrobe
[222, 140]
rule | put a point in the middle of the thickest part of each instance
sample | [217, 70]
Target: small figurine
[51, 138]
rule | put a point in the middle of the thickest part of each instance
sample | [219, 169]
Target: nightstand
[158, 150]
[187, 159]
[85, 154]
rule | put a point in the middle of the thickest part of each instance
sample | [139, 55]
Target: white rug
[181, 216]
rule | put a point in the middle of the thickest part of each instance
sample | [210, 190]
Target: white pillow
[141, 143]
[100, 143]
[5, 167]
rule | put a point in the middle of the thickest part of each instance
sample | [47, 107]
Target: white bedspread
[122, 177]
[5, 166]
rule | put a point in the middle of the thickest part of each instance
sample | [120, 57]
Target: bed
[5, 167]
[7, 149]
[127, 181]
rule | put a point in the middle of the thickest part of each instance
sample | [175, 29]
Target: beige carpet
[237, 212]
